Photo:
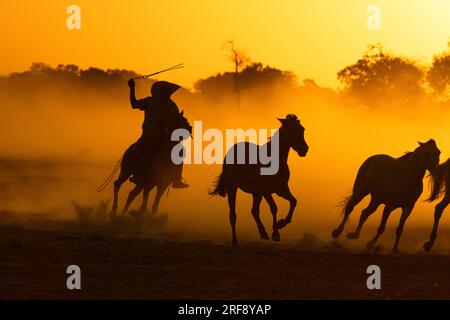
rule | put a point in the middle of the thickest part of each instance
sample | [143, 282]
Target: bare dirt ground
[118, 265]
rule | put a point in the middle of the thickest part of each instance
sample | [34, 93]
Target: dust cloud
[58, 144]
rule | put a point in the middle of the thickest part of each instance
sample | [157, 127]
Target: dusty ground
[114, 264]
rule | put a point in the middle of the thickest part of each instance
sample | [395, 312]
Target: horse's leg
[273, 210]
[131, 196]
[143, 208]
[160, 189]
[145, 195]
[406, 211]
[286, 194]
[117, 184]
[438, 210]
[231, 192]
[386, 212]
[371, 208]
[354, 199]
[255, 213]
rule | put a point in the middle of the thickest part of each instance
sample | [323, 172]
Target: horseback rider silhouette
[160, 112]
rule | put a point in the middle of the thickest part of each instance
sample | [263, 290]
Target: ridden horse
[248, 177]
[161, 175]
[440, 185]
[396, 183]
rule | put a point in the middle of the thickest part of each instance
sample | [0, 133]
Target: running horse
[161, 174]
[396, 183]
[248, 177]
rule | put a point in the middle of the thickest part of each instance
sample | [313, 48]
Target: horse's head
[183, 123]
[430, 154]
[294, 133]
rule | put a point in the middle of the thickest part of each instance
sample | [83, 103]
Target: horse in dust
[247, 176]
[440, 185]
[161, 175]
[396, 183]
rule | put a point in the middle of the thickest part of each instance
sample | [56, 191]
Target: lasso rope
[108, 180]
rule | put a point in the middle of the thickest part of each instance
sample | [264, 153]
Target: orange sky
[312, 38]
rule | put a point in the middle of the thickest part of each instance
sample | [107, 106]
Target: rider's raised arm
[140, 104]
[135, 104]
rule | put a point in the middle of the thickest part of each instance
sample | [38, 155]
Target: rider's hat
[163, 89]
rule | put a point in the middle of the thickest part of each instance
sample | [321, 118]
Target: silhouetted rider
[160, 111]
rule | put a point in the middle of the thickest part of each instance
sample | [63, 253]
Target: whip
[177, 66]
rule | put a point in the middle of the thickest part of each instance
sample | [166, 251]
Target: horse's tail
[110, 177]
[343, 205]
[359, 190]
[220, 186]
[437, 179]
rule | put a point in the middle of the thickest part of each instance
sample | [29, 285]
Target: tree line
[378, 79]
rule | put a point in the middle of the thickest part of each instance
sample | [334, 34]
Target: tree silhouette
[235, 55]
[439, 75]
[239, 59]
[67, 81]
[379, 78]
[253, 77]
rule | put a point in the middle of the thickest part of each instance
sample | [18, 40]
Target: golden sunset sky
[313, 38]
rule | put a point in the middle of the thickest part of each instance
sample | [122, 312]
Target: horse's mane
[406, 155]
[276, 132]
[409, 153]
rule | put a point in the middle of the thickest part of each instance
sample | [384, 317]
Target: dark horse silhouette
[248, 178]
[440, 185]
[161, 175]
[396, 183]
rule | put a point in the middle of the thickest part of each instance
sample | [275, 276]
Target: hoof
[234, 243]
[281, 223]
[336, 233]
[264, 236]
[352, 235]
[113, 214]
[136, 214]
[370, 245]
[427, 246]
[395, 250]
[276, 237]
